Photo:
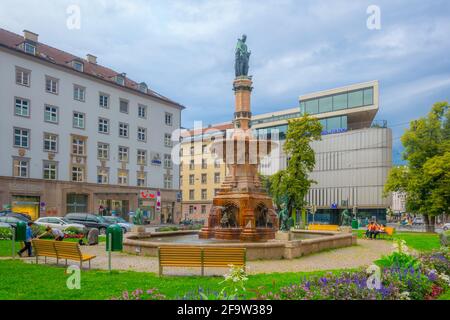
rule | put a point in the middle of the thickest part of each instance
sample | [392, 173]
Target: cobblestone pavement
[360, 255]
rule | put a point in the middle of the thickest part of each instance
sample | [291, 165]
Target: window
[312, 106]
[78, 120]
[203, 209]
[20, 168]
[355, 99]
[103, 125]
[192, 150]
[123, 130]
[29, 48]
[191, 194]
[23, 77]
[325, 104]
[51, 114]
[204, 164]
[368, 96]
[123, 154]
[142, 111]
[143, 87]
[340, 101]
[51, 85]
[21, 138]
[191, 165]
[78, 146]
[123, 106]
[50, 142]
[120, 80]
[217, 177]
[168, 181]
[50, 170]
[77, 174]
[142, 134]
[216, 163]
[168, 140]
[204, 178]
[103, 100]
[141, 179]
[122, 177]
[79, 93]
[167, 161]
[204, 194]
[204, 149]
[216, 191]
[102, 175]
[142, 157]
[102, 151]
[168, 119]
[22, 107]
[77, 65]
[191, 179]
[191, 209]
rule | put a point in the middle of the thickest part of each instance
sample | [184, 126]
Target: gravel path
[362, 254]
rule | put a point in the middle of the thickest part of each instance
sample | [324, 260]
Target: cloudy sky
[185, 49]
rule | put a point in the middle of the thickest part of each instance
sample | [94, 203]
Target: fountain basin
[303, 242]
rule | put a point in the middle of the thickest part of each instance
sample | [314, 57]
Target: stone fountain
[242, 210]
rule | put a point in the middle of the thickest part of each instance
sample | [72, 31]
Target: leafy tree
[425, 178]
[293, 182]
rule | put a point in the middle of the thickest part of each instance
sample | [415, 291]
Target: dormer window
[120, 79]
[29, 48]
[143, 87]
[77, 65]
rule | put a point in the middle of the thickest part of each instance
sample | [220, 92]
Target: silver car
[59, 223]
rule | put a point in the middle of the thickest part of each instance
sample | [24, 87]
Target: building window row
[23, 77]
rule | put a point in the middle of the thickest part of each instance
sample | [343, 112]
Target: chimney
[31, 36]
[91, 58]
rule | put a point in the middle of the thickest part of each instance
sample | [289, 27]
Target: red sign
[146, 194]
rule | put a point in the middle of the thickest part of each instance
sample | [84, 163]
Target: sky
[185, 49]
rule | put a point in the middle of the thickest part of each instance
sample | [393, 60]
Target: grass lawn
[21, 280]
[419, 241]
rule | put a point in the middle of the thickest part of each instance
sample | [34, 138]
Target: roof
[45, 52]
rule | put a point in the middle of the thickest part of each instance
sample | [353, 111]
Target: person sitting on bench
[56, 233]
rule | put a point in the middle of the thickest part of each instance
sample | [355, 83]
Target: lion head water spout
[242, 210]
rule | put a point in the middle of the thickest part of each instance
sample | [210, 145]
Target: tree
[425, 178]
[292, 183]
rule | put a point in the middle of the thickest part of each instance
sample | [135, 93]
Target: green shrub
[73, 230]
[5, 233]
[166, 229]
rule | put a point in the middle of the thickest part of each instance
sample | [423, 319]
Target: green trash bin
[20, 232]
[355, 224]
[114, 232]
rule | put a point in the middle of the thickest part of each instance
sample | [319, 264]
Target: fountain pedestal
[242, 210]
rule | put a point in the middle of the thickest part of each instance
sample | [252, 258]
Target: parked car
[12, 221]
[89, 220]
[22, 216]
[5, 225]
[126, 226]
[59, 223]
[418, 221]
[446, 226]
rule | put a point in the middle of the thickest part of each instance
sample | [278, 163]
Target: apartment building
[79, 137]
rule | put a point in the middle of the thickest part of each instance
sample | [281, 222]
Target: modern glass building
[352, 159]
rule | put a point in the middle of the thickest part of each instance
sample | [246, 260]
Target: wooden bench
[323, 227]
[200, 257]
[44, 248]
[60, 250]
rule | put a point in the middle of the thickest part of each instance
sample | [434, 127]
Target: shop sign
[155, 158]
[147, 194]
[158, 201]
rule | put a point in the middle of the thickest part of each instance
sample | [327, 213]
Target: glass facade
[340, 101]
